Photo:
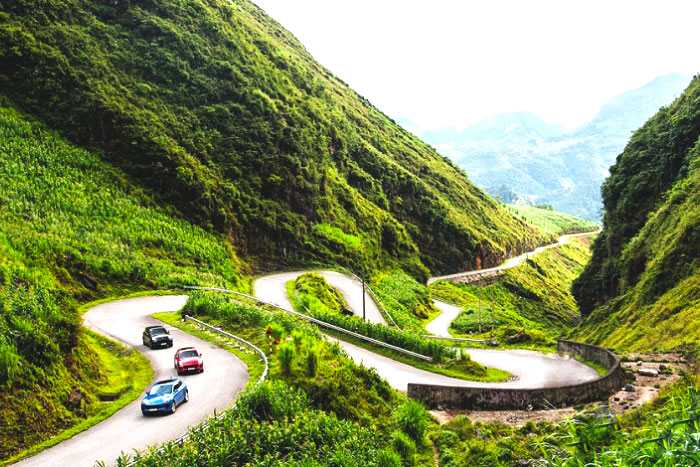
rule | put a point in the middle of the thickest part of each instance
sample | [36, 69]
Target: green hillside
[644, 274]
[73, 229]
[534, 296]
[550, 221]
[217, 110]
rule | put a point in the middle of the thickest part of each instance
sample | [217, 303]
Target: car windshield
[162, 389]
[158, 331]
[188, 353]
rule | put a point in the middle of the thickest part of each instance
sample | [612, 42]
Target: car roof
[186, 348]
[166, 381]
[155, 327]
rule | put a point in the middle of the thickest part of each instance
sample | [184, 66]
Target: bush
[312, 360]
[388, 458]
[405, 447]
[272, 400]
[287, 354]
[9, 363]
[412, 419]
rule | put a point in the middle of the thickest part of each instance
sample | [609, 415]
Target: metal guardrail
[456, 339]
[318, 322]
[205, 426]
[372, 293]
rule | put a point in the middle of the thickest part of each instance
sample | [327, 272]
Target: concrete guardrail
[453, 397]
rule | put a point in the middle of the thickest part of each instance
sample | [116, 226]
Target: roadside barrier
[205, 426]
[471, 398]
[318, 322]
[456, 339]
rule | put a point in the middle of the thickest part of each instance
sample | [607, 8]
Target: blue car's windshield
[162, 389]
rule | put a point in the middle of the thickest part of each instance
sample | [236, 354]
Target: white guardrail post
[204, 426]
[317, 321]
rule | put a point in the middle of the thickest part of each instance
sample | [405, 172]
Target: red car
[188, 359]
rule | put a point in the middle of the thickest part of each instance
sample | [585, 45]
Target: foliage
[408, 300]
[272, 400]
[547, 220]
[217, 110]
[405, 447]
[295, 437]
[642, 287]
[319, 294]
[531, 301]
[658, 156]
[412, 419]
[286, 355]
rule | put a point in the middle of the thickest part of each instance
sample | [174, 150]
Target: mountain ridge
[541, 163]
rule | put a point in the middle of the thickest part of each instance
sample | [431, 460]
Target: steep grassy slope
[222, 113]
[74, 229]
[532, 296]
[553, 222]
[644, 270]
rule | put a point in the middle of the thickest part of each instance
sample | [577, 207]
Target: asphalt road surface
[512, 262]
[214, 390]
[530, 369]
[272, 289]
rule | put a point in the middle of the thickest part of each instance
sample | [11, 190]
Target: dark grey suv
[157, 336]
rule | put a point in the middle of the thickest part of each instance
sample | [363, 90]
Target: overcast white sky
[452, 62]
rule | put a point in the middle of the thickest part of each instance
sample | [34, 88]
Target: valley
[171, 158]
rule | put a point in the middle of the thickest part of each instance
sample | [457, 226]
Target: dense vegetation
[643, 275]
[408, 300]
[665, 434]
[531, 303]
[221, 112]
[318, 407]
[321, 303]
[73, 229]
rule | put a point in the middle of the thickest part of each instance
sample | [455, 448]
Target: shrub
[272, 400]
[286, 355]
[405, 447]
[9, 364]
[312, 361]
[388, 458]
[412, 419]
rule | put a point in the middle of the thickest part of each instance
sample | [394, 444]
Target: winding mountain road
[214, 390]
[530, 369]
[226, 375]
[511, 262]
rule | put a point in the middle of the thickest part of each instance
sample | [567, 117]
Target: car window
[162, 389]
[188, 353]
[157, 331]
[177, 385]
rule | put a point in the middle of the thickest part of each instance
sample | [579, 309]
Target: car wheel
[187, 396]
[201, 370]
[173, 407]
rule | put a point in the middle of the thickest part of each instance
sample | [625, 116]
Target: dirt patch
[640, 389]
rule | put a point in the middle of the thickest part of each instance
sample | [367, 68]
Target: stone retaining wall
[456, 397]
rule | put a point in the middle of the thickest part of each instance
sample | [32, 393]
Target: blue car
[165, 396]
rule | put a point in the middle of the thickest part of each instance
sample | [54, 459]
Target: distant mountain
[542, 164]
[507, 195]
[641, 289]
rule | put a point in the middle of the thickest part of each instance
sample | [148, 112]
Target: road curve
[512, 262]
[214, 390]
[441, 323]
[530, 369]
[273, 289]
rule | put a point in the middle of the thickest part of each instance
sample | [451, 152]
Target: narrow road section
[272, 289]
[512, 262]
[214, 390]
[530, 369]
